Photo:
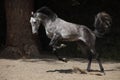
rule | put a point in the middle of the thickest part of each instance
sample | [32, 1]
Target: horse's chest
[50, 29]
[49, 32]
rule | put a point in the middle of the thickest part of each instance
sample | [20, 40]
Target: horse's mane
[48, 12]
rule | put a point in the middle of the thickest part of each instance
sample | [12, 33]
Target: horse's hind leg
[85, 49]
[97, 56]
[90, 56]
[99, 62]
[91, 53]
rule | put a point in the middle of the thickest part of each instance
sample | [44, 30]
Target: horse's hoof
[103, 72]
[65, 60]
[88, 70]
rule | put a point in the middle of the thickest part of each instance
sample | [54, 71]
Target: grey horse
[59, 30]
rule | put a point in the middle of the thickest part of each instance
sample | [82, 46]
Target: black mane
[48, 12]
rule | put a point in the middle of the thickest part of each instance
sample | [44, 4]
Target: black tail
[102, 23]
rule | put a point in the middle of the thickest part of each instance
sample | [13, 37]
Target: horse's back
[69, 31]
[66, 29]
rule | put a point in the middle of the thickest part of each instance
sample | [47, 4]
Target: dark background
[80, 12]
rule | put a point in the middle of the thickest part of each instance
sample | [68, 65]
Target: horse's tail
[102, 23]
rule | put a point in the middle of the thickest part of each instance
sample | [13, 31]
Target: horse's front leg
[59, 58]
[53, 43]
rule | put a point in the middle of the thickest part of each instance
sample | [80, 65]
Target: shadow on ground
[71, 71]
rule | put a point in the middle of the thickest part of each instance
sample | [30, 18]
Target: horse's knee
[51, 43]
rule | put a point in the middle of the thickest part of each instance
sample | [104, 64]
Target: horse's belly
[70, 37]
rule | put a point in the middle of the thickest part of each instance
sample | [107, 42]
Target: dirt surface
[52, 69]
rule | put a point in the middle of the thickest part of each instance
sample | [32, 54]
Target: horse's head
[35, 21]
[41, 16]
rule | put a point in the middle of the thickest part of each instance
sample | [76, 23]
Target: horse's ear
[32, 13]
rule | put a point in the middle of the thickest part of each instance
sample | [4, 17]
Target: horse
[59, 30]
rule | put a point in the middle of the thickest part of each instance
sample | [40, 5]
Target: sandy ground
[52, 69]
